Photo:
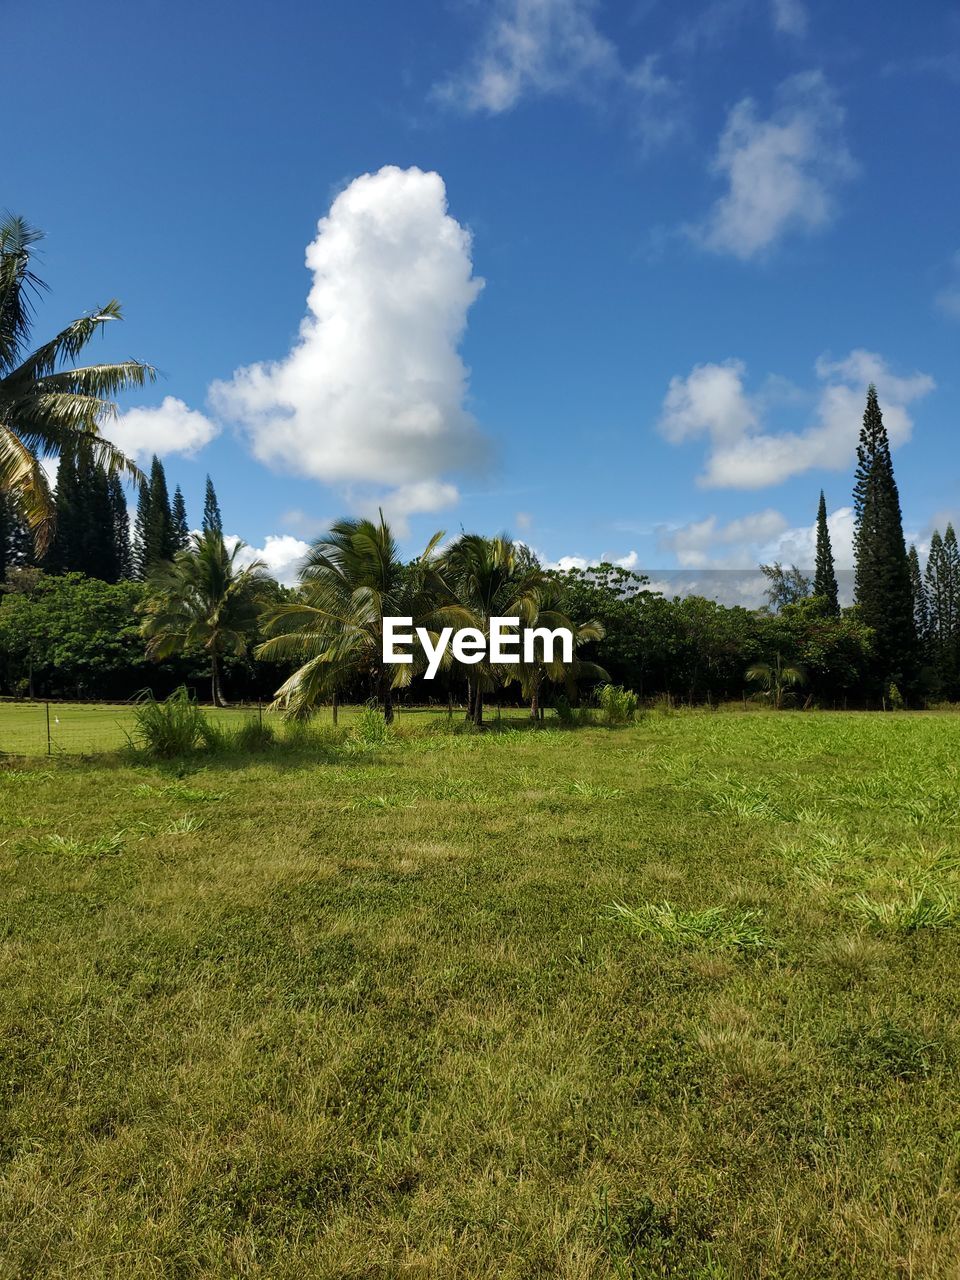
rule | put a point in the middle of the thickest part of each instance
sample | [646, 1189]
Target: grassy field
[673, 1000]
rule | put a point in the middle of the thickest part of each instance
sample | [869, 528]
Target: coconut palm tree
[776, 679]
[534, 675]
[46, 405]
[350, 581]
[488, 578]
[205, 600]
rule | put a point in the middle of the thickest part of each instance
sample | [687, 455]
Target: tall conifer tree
[121, 528]
[159, 541]
[141, 530]
[921, 613]
[212, 521]
[178, 516]
[883, 587]
[825, 577]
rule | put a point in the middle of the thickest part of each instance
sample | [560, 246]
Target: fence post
[334, 710]
[47, 705]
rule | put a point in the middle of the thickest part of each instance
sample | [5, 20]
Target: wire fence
[44, 728]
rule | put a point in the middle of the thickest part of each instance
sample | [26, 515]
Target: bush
[174, 727]
[619, 705]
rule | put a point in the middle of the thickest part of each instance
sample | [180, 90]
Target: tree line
[90, 610]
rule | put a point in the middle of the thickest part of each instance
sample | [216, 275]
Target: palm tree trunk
[387, 702]
[470, 698]
[478, 706]
[215, 680]
[535, 701]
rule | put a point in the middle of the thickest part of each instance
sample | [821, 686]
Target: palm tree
[776, 679]
[203, 599]
[534, 675]
[47, 406]
[350, 581]
[489, 578]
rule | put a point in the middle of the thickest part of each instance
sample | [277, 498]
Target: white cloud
[523, 519]
[281, 553]
[708, 543]
[568, 562]
[798, 545]
[538, 48]
[170, 427]
[948, 299]
[629, 561]
[781, 172]
[712, 401]
[373, 390]
[423, 497]
[789, 17]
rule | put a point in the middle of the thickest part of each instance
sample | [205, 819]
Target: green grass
[371, 1010]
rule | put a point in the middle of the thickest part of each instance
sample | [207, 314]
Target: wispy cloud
[781, 171]
[541, 48]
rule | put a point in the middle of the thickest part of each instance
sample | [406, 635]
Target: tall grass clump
[618, 705]
[369, 727]
[174, 727]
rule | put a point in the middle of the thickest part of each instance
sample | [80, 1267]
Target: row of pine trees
[93, 533]
[914, 615]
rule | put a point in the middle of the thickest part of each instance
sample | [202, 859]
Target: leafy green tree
[70, 635]
[46, 404]
[212, 520]
[883, 589]
[204, 600]
[825, 575]
[787, 586]
[350, 581]
[178, 521]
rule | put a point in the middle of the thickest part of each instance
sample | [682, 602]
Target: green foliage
[172, 728]
[369, 726]
[71, 634]
[619, 705]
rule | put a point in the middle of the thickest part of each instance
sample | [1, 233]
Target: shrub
[174, 727]
[619, 705]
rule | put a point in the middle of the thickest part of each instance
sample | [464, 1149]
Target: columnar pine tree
[178, 517]
[212, 521]
[141, 532]
[61, 554]
[121, 528]
[883, 589]
[159, 540]
[921, 613]
[825, 577]
[16, 542]
[943, 603]
[95, 553]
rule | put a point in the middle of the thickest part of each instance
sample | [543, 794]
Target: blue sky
[700, 229]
